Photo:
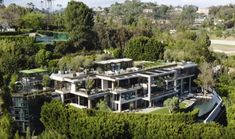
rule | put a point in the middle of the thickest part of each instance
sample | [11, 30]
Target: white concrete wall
[73, 87]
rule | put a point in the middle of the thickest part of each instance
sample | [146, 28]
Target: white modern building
[123, 86]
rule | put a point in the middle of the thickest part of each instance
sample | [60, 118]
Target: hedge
[18, 39]
[82, 123]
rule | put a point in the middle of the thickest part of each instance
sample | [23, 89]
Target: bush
[85, 123]
[9, 33]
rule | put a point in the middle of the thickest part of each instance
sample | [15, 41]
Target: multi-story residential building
[123, 86]
[28, 99]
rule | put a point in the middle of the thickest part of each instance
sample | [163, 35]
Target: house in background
[28, 99]
[123, 86]
[4, 27]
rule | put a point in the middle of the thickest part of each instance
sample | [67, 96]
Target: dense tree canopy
[144, 48]
[79, 23]
[34, 20]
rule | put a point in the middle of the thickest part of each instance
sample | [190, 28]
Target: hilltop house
[123, 86]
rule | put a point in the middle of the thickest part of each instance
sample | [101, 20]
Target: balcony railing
[166, 92]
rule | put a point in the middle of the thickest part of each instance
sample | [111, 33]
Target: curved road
[223, 46]
[223, 42]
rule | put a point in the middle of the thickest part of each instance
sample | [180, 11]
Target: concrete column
[112, 85]
[175, 85]
[181, 87]
[78, 100]
[175, 81]
[190, 84]
[73, 87]
[136, 104]
[89, 104]
[102, 84]
[167, 85]
[120, 103]
[150, 103]
[149, 88]
[119, 107]
[62, 98]
[111, 101]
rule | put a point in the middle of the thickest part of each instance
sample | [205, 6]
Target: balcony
[93, 93]
[130, 99]
[126, 89]
[158, 95]
[63, 90]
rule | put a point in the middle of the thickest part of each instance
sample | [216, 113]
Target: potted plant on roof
[89, 85]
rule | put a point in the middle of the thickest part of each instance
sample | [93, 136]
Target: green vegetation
[206, 78]
[6, 126]
[103, 106]
[131, 29]
[166, 110]
[79, 123]
[79, 23]
[163, 110]
[172, 104]
[144, 48]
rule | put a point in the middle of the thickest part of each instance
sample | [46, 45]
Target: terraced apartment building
[123, 86]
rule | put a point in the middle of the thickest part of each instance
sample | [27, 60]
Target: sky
[106, 3]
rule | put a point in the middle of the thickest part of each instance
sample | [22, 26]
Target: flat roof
[113, 61]
[32, 71]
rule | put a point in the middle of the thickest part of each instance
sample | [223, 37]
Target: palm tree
[31, 5]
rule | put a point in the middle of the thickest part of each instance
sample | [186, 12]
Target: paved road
[223, 42]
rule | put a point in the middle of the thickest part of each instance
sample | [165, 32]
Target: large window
[124, 84]
[134, 81]
[128, 95]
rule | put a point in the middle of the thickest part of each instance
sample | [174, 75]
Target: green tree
[6, 126]
[172, 104]
[88, 63]
[46, 81]
[43, 57]
[64, 63]
[12, 15]
[34, 20]
[103, 106]
[79, 23]
[77, 63]
[89, 84]
[144, 48]
[205, 79]
[14, 78]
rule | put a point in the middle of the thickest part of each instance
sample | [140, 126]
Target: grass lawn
[162, 111]
[165, 110]
[182, 105]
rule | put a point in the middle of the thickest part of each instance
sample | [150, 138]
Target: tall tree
[79, 23]
[172, 104]
[205, 78]
[144, 48]
[33, 20]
